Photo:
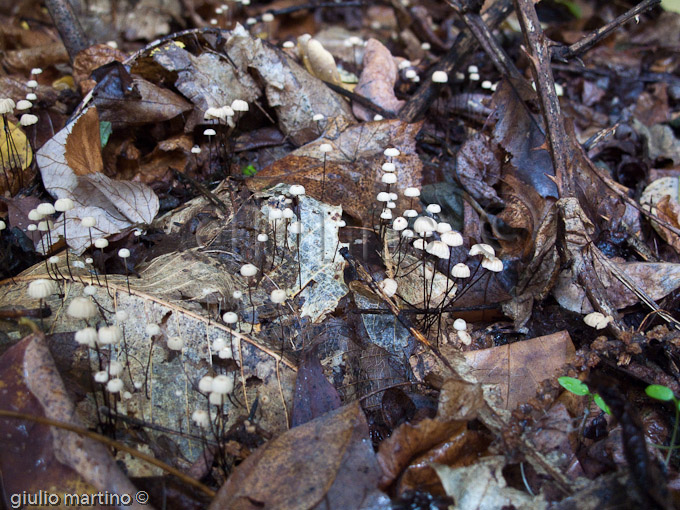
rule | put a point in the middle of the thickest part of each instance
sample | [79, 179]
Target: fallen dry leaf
[295, 95]
[483, 487]
[377, 80]
[353, 168]
[314, 395]
[115, 204]
[38, 457]
[310, 466]
[410, 440]
[519, 368]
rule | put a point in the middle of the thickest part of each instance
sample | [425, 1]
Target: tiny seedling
[580, 388]
[665, 394]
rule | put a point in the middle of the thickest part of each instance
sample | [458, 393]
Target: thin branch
[481, 32]
[419, 102]
[580, 47]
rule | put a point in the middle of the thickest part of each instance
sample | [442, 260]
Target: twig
[113, 444]
[564, 53]
[468, 11]
[363, 101]
[419, 102]
[538, 51]
[65, 20]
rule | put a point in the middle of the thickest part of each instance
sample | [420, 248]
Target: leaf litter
[554, 244]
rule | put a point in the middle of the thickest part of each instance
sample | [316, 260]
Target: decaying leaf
[37, 456]
[353, 167]
[180, 292]
[483, 487]
[314, 395]
[295, 95]
[115, 204]
[377, 80]
[518, 368]
[83, 145]
[311, 466]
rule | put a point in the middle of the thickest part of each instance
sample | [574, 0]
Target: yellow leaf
[16, 156]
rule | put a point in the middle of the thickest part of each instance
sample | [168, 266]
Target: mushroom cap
[460, 270]
[278, 296]
[438, 249]
[391, 152]
[424, 224]
[110, 335]
[248, 270]
[399, 223]
[460, 325]
[492, 264]
[81, 308]
[42, 288]
[388, 286]
[451, 238]
[222, 384]
[482, 249]
[597, 320]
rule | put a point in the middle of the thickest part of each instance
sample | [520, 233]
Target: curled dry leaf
[201, 78]
[36, 456]
[90, 59]
[318, 60]
[353, 167]
[377, 80]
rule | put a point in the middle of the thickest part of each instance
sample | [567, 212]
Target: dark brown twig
[65, 20]
[469, 14]
[538, 51]
[419, 102]
[578, 48]
[113, 444]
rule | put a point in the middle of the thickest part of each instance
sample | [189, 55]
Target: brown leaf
[314, 395]
[83, 145]
[115, 204]
[198, 76]
[310, 466]
[461, 449]
[519, 368]
[460, 400]
[37, 457]
[38, 56]
[90, 59]
[478, 167]
[532, 163]
[377, 80]
[410, 440]
[151, 104]
[291, 91]
[353, 168]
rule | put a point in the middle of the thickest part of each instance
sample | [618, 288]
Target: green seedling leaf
[105, 130]
[601, 404]
[249, 170]
[574, 386]
[659, 392]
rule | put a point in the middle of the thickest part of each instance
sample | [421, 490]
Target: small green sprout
[249, 171]
[580, 388]
[665, 394]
